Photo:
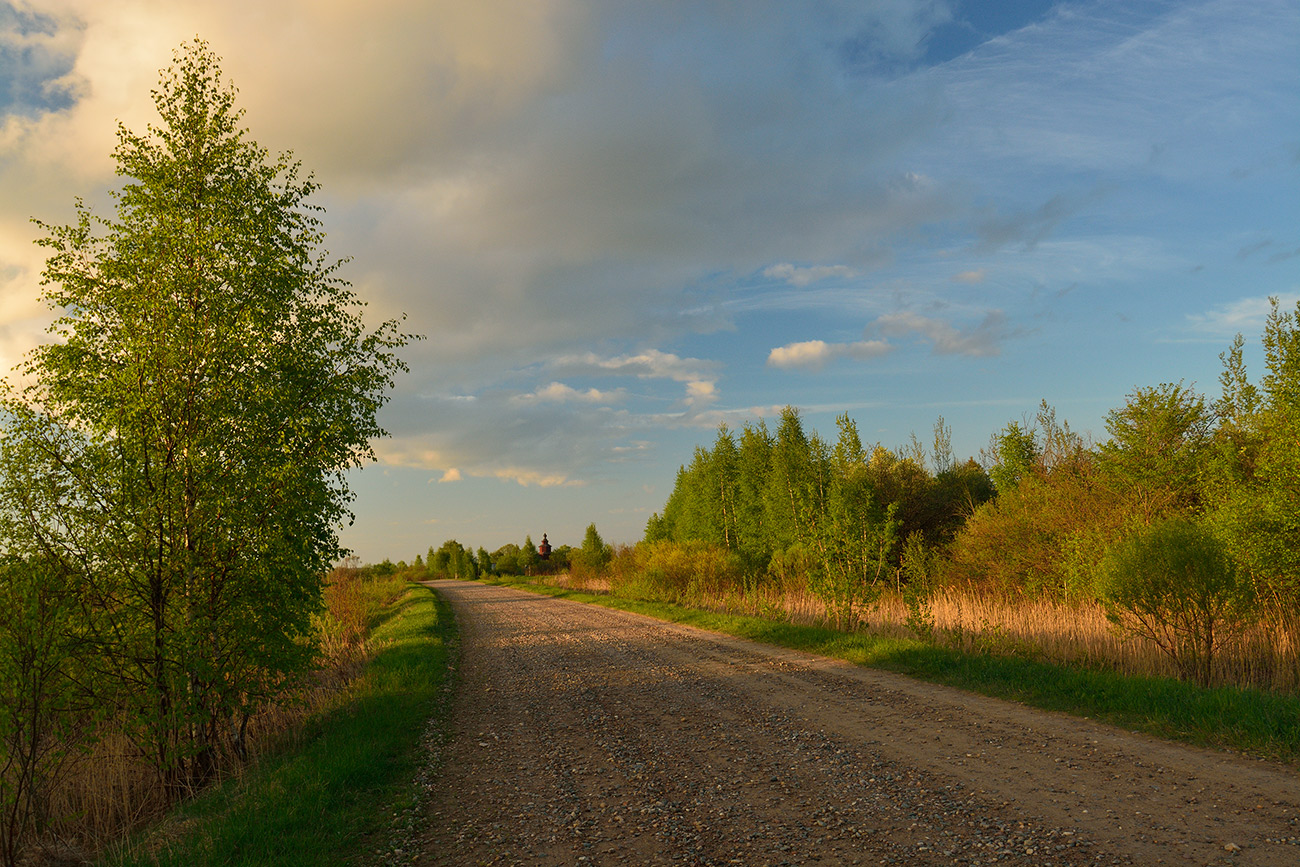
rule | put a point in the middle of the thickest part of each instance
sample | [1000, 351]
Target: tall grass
[964, 618]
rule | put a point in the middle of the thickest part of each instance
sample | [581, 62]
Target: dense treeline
[1184, 523]
[844, 518]
[454, 560]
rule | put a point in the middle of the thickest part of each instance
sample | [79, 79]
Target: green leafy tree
[209, 384]
[506, 560]
[1016, 454]
[851, 534]
[1158, 447]
[529, 559]
[1255, 486]
[787, 494]
[594, 554]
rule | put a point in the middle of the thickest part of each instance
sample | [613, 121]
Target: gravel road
[584, 736]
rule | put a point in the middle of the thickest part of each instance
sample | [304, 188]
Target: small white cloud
[803, 276]
[701, 393]
[815, 354]
[976, 276]
[807, 353]
[451, 475]
[561, 393]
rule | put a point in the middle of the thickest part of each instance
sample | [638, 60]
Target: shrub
[681, 572]
[1173, 584]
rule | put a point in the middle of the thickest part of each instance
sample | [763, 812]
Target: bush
[678, 572]
[1173, 584]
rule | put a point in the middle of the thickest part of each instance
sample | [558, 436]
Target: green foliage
[529, 559]
[594, 554]
[1254, 492]
[1017, 454]
[827, 518]
[679, 572]
[1042, 536]
[788, 491]
[851, 534]
[1158, 447]
[1173, 584]
[452, 560]
[183, 443]
[506, 560]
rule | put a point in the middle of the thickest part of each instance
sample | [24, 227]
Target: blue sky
[622, 223]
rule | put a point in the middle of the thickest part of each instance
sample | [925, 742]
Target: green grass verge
[1251, 721]
[332, 798]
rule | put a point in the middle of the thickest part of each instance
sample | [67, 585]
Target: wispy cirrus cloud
[1244, 316]
[979, 341]
[806, 275]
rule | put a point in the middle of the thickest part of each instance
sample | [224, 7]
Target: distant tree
[941, 454]
[594, 553]
[788, 491]
[529, 559]
[1016, 455]
[506, 560]
[851, 534]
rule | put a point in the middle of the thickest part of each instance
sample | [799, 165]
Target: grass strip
[1256, 722]
[332, 798]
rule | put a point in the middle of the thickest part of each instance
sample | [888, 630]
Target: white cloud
[526, 477]
[451, 475]
[973, 277]
[815, 354]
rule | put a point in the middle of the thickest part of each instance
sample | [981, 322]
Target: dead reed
[1266, 656]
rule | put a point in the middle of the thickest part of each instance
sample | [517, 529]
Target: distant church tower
[544, 549]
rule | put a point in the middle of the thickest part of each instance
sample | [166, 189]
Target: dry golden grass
[1266, 656]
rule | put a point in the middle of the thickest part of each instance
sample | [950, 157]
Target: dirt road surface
[584, 736]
